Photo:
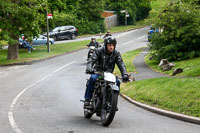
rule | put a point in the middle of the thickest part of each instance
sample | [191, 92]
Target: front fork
[104, 95]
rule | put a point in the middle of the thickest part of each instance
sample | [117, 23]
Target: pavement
[144, 72]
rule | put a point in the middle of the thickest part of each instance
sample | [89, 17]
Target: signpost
[126, 15]
[49, 16]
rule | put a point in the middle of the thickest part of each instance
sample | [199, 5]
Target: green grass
[180, 95]
[41, 52]
[191, 67]
[128, 60]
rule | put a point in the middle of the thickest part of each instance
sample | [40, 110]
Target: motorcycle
[91, 51]
[104, 98]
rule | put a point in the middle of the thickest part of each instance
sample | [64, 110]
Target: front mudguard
[114, 87]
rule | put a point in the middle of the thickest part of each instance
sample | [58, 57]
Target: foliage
[180, 38]
[85, 15]
[119, 5]
[143, 8]
[137, 9]
[91, 27]
[19, 17]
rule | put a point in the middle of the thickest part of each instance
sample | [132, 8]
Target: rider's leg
[118, 82]
[90, 86]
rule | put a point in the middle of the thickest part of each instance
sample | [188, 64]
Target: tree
[180, 38]
[20, 17]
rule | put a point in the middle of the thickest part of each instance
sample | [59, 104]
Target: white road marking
[123, 34]
[12, 68]
[12, 106]
[15, 67]
[141, 37]
[130, 41]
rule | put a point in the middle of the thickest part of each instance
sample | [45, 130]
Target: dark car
[63, 32]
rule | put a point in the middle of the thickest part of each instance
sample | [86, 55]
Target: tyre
[87, 114]
[108, 114]
[50, 43]
[73, 36]
[55, 38]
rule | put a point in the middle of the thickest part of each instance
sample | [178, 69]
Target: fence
[111, 21]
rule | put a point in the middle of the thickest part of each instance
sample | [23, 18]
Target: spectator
[26, 44]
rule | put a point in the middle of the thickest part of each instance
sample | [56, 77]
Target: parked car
[150, 32]
[63, 32]
[41, 40]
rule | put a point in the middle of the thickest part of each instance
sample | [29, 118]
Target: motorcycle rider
[104, 59]
[107, 34]
[93, 43]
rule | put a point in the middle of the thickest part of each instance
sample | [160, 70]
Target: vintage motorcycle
[104, 98]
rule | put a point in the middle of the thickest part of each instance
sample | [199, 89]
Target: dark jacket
[101, 61]
[95, 44]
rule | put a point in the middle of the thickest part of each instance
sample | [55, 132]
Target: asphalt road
[45, 98]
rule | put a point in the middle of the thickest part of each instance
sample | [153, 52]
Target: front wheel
[55, 38]
[108, 113]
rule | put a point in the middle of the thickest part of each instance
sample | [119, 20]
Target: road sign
[50, 16]
[127, 15]
[123, 11]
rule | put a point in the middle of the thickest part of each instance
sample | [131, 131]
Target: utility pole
[47, 16]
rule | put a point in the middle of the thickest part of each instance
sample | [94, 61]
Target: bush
[84, 26]
[180, 38]
[91, 27]
[143, 9]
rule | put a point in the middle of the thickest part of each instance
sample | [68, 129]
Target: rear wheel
[108, 113]
[73, 36]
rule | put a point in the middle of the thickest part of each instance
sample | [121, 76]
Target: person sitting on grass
[26, 44]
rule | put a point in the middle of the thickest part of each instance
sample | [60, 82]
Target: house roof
[107, 13]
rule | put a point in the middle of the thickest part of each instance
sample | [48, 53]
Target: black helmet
[109, 40]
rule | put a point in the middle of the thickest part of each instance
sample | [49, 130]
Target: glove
[89, 71]
[125, 77]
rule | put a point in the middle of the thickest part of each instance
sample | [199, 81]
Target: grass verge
[191, 67]
[181, 95]
[128, 60]
[41, 52]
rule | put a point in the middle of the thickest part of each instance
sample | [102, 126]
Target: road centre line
[12, 106]
[141, 37]
[123, 34]
[130, 41]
